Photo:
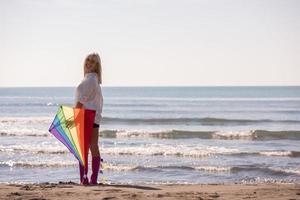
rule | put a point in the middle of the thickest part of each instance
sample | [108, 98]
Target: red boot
[95, 169]
[83, 175]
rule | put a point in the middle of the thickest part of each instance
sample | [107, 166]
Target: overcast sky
[151, 42]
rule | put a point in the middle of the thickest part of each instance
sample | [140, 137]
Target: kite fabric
[74, 127]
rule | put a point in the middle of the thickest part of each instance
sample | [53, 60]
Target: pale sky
[151, 42]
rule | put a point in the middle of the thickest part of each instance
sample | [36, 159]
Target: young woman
[89, 96]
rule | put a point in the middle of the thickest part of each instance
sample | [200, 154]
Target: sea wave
[207, 121]
[180, 134]
[147, 150]
[185, 120]
[25, 133]
[29, 104]
[281, 153]
[258, 135]
[171, 134]
[274, 171]
[35, 164]
[170, 150]
[196, 152]
[25, 120]
[45, 148]
[150, 150]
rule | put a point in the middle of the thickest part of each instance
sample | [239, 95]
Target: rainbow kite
[74, 128]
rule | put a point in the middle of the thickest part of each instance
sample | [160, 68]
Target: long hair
[98, 69]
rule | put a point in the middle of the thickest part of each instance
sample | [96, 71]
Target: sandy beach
[170, 100]
[206, 191]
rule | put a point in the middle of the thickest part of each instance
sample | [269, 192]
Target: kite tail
[101, 166]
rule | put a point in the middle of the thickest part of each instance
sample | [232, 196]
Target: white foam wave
[37, 163]
[288, 170]
[259, 180]
[166, 133]
[213, 169]
[118, 167]
[24, 126]
[139, 133]
[198, 151]
[25, 120]
[45, 147]
[24, 132]
[276, 153]
[110, 166]
[126, 167]
[169, 150]
[149, 150]
[48, 163]
[65, 163]
[233, 135]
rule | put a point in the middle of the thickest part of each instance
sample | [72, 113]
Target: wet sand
[71, 191]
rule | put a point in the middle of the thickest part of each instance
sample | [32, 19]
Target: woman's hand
[70, 122]
[79, 105]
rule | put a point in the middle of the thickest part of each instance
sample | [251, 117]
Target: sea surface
[157, 135]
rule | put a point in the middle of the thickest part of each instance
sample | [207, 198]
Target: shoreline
[70, 190]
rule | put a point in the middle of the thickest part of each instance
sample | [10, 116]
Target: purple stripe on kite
[64, 135]
[60, 132]
[58, 135]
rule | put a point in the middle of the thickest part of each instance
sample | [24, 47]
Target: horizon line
[155, 86]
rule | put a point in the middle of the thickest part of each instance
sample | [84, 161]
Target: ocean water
[156, 135]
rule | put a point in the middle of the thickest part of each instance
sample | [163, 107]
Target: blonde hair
[98, 69]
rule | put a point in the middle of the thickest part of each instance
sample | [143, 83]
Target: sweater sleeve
[86, 90]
